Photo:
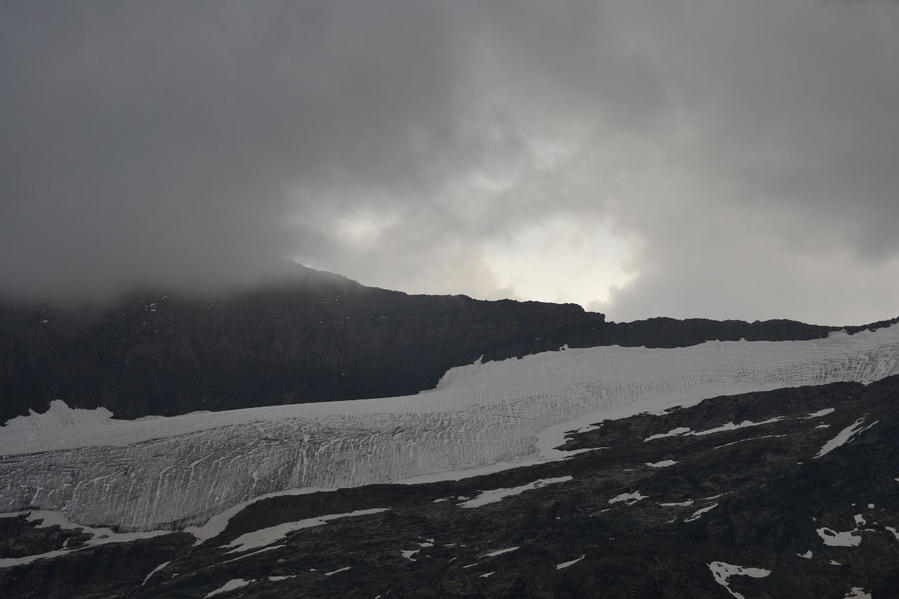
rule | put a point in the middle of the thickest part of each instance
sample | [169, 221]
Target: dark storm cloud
[179, 142]
[154, 140]
[742, 155]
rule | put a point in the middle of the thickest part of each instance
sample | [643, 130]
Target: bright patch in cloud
[564, 259]
[362, 229]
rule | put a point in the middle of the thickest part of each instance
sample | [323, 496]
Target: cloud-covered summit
[725, 160]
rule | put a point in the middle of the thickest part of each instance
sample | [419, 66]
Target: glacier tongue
[170, 472]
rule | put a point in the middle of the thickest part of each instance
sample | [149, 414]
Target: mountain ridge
[314, 337]
[740, 468]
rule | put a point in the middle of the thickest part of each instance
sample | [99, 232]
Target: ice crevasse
[174, 471]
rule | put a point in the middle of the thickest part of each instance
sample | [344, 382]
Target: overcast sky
[680, 158]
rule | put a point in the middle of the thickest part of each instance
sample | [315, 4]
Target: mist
[691, 159]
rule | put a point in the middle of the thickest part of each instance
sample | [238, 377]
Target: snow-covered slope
[160, 472]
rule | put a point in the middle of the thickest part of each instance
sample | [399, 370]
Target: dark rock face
[319, 337]
[651, 510]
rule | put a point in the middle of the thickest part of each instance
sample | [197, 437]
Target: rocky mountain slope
[785, 493]
[314, 337]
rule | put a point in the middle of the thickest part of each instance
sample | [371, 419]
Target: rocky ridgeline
[787, 493]
[316, 337]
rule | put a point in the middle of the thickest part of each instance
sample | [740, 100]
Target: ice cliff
[168, 472]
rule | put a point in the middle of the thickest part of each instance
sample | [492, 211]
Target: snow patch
[681, 430]
[807, 555]
[723, 571]
[99, 536]
[686, 503]
[662, 464]
[629, 498]
[218, 523]
[154, 571]
[563, 565]
[501, 551]
[729, 426]
[494, 495]
[821, 413]
[839, 539]
[844, 436]
[338, 571]
[698, 513]
[711, 497]
[857, 593]
[233, 584]
[268, 536]
[752, 439]
[252, 553]
[425, 479]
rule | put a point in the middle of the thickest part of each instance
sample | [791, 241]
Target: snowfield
[159, 472]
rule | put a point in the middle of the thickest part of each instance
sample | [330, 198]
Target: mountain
[311, 337]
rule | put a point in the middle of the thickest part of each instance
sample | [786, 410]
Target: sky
[720, 159]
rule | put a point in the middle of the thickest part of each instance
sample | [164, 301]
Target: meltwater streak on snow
[169, 472]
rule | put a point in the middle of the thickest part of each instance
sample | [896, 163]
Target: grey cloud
[150, 139]
[794, 155]
[742, 147]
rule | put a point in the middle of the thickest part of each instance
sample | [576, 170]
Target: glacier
[173, 472]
